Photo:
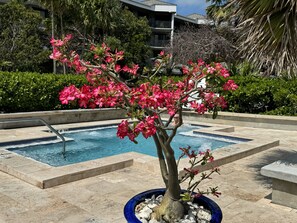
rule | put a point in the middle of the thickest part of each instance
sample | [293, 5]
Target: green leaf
[185, 197]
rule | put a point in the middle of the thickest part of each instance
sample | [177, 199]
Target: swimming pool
[89, 144]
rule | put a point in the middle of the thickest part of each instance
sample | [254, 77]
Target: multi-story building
[163, 20]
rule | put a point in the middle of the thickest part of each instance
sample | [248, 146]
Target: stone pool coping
[46, 176]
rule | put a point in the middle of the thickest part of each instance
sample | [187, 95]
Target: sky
[186, 7]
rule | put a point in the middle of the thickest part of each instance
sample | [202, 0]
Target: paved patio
[245, 193]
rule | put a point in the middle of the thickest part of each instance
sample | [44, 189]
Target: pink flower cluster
[146, 127]
[221, 70]
[154, 96]
[230, 86]
[198, 107]
[199, 69]
[56, 55]
[212, 100]
[109, 95]
[124, 130]
[132, 70]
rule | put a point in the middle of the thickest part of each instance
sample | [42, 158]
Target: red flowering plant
[195, 159]
[145, 103]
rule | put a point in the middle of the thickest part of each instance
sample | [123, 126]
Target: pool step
[45, 176]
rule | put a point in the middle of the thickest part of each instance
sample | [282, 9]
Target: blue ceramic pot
[216, 212]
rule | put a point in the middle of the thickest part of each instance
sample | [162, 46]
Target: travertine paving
[100, 199]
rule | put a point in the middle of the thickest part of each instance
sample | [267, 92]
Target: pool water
[102, 142]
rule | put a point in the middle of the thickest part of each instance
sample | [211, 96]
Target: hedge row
[256, 95]
[24, 92]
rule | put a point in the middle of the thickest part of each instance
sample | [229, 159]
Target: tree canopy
[109, 21]
[191, 42]
[22, 42]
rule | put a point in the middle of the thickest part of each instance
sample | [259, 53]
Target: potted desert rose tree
[146, 101]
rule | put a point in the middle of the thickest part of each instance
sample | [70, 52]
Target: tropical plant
[269, 33]
[145, 103]
[218, 12]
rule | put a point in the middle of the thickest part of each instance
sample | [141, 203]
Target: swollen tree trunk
[171, 207]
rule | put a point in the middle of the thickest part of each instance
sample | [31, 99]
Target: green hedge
[256, 95]
[24, 92]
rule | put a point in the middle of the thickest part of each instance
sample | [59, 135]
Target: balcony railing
[159, 43]
[161, 24]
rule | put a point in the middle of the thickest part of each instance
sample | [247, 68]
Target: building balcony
[161, 24]
[159, 43]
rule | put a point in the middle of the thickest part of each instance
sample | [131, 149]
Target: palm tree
[269, 33]
[218, 12]
[98, 14]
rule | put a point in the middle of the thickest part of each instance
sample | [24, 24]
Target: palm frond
[269, 33]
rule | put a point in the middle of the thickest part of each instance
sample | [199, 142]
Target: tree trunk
[171, 207]
[169, 210]
[62, 35]
[53, 34]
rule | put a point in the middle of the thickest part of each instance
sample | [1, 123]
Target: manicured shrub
[22, 91]
[263, 95]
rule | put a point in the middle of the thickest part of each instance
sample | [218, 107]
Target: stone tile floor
[100, 199]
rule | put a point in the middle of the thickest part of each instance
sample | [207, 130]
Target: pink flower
[64, 60]
[209, 97]
[210, 70]
[221, 102]
[119, 55]
[52, 41]
[59, 43]
[199, 108]
[185, 70]
[125, 68]
[230, 86]
[117, 68]
[85, 96]
[200, 62]
[68, 94]
[56, 55]
[224, 73]
[92, 47]
[109, 59]
[190, 62]
[146, 127]
[68, 37]
[132, 70]
[125, 130]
